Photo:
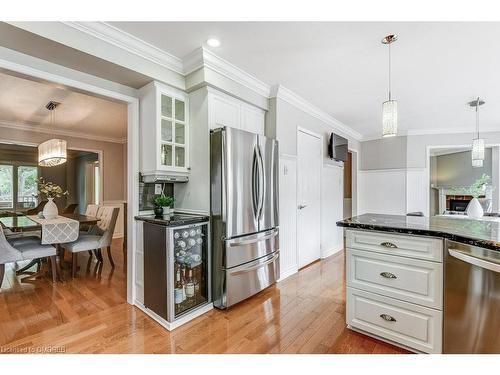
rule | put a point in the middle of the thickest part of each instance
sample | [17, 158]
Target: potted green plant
[51, 191]
[162, 204]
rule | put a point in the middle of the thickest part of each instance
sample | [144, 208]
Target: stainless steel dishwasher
[471, 299]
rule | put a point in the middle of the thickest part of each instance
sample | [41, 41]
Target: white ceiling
[22, 102]
[342, 67]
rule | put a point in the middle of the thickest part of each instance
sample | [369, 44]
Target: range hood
[159, 177]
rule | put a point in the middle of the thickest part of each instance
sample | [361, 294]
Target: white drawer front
[410, 325]
[412, 280]
[419, 247]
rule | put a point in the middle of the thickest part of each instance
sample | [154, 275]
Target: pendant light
[389, 107]
[54, 151]
[477, 143]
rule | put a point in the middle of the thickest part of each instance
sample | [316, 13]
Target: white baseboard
[329, 253]
[171, 326]
[287, 273]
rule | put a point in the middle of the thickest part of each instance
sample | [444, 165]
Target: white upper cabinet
[252, 119]
[225, 110]
[164, 130]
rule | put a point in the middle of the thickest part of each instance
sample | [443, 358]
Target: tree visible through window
[18, 186]
[6, 186]
[27, 186]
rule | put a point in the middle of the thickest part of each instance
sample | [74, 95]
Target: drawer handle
[387, 318]
[388, 275]
[390, 245]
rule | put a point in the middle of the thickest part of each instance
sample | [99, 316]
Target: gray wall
[454, 170]
[79, 173]
[417, 144]
[384, 153]
[113, 164]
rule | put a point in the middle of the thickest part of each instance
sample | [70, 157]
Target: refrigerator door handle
[255, 188]
[262, 184]
[257, 266]
[252, 239]
[492, 266]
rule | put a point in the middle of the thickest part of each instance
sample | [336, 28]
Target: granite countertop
[482, 233]
[176, 219]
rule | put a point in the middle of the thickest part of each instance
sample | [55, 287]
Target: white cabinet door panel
[411, 280]
[224, 113]
[414, 326]
[419, 247]
[252, 120]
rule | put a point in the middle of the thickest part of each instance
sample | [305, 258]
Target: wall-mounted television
[337, 147]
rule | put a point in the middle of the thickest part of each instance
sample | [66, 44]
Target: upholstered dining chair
[10, 251]
[91, 210]
[98, 237]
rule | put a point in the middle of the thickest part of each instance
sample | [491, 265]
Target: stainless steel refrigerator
[244, 210]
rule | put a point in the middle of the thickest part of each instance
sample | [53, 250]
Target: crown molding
[129, 43]
[204, 58]
[66, 133]
[451, 131]
[292, 98]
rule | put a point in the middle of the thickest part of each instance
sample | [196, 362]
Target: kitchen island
[426, 284]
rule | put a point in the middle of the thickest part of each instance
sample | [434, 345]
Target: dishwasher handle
[492, 266]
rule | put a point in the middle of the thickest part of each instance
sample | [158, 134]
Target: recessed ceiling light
[212, 42]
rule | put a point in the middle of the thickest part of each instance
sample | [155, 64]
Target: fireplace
[458, 204]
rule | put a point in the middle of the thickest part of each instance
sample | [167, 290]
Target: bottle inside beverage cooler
[191, 263]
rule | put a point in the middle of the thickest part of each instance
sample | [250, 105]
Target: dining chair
[98, 237]
[70, 208]
[12, 252]
[91, 210]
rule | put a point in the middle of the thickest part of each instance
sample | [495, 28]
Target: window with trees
[18, 186]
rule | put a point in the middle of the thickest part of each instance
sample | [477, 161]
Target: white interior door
[309, 160]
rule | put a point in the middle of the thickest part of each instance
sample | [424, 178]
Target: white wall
[288, 216]
[282, 122]
[409, 186]
[332, 198]
[382, 192]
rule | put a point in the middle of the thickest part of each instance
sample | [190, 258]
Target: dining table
[23, 223]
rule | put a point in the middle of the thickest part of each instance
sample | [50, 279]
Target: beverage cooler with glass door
[176, 268]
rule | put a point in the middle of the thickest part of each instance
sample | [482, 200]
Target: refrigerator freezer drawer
[248, 248]
[249, 279]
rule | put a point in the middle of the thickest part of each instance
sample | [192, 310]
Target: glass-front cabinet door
[174, 132]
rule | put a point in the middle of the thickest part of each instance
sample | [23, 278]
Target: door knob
[301, 206]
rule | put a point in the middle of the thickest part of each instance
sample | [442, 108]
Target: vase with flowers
[51, 191]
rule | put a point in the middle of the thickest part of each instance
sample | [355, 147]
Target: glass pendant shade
[389, 118]
[52, 152]
[478, 149]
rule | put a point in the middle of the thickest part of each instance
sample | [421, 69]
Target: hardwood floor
[303, 314]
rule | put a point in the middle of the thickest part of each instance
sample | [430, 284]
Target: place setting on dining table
[47, 234]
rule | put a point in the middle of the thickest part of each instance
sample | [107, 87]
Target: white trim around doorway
[132, 135]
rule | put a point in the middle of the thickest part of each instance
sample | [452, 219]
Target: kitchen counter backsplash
[147, 193]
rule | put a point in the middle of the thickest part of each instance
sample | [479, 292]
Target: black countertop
[173, 220]
[482, 233]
